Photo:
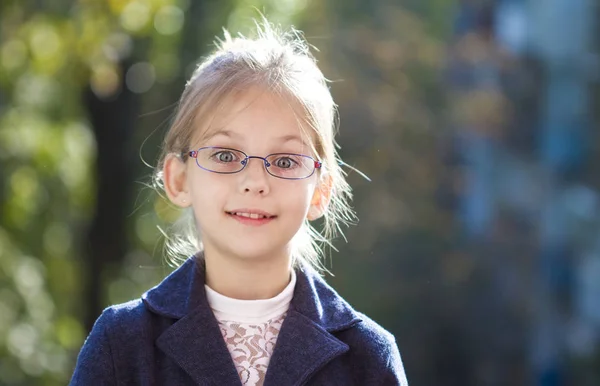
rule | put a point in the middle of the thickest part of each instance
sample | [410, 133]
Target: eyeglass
[224, 160]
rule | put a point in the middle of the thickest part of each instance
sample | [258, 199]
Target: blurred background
[478, 245]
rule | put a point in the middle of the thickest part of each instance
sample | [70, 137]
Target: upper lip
[251, 211]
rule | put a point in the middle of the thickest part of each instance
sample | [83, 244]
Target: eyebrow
[231, 134]
[291, 137]
[223, 132]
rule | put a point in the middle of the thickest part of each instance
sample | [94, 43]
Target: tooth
[250, 215]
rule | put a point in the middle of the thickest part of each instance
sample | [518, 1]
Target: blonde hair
[281, 62]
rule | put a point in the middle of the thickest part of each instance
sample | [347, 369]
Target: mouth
[251, 216]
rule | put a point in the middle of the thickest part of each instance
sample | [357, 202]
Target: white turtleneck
[250, 329]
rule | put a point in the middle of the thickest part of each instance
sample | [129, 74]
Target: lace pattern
[251, 347]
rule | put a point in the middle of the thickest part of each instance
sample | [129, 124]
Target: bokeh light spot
[140, 77]
[22, 340]
[135, 16]
[13, 54]
[57, 239]
[168, 20]
[105, 81]
[44, 41]
[69, 332]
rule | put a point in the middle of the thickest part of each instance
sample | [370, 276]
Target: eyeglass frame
[244, 162]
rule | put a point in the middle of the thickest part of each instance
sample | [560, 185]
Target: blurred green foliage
[51, 54]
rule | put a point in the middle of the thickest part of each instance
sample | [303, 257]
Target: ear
[320, 199]
[175, 181]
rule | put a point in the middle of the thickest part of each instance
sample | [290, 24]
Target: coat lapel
[305, 343]
[195, 343]
[302, 348]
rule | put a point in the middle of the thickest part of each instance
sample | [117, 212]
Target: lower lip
[252, 221]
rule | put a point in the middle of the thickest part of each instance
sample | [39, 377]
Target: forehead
[258, 114]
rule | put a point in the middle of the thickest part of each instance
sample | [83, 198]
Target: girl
[251, 159]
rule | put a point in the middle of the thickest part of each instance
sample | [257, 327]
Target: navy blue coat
[171, 337]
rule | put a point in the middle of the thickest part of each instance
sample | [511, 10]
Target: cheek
[301, 196]
[206, 190]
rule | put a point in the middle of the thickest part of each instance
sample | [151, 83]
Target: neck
[247, 279]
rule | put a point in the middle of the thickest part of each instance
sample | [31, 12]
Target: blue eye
[224, 156]
[285, 162]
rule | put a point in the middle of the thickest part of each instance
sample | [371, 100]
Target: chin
[258, 251]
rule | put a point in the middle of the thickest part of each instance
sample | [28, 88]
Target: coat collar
[194, 341]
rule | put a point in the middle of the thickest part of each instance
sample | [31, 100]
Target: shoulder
[370, 336]
[121, 327]
[125, 312]
[117, 323]
[121, 317]
[118, 335]
[127, 323]
[96, 360]
[376, 350]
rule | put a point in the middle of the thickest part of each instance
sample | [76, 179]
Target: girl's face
[258, 123]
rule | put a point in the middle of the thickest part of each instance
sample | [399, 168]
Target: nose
[254, 177]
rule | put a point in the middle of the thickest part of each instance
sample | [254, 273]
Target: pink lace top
[250, 329]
